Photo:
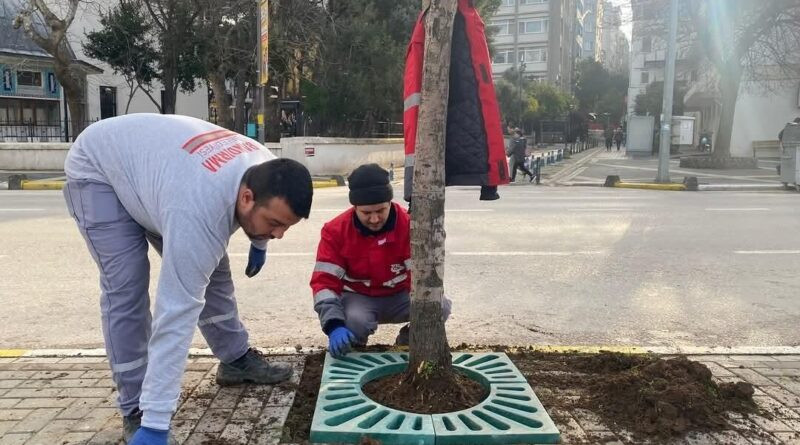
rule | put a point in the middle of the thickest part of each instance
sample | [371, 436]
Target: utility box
[790, 159]
[640, 136]
[683, 130]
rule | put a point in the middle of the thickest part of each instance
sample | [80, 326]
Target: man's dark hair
[797, 120]
[281, 178]
[518, 132]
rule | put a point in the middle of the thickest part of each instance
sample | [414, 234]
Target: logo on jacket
[397, 268]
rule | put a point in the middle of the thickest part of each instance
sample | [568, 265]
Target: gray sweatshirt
[178, 177]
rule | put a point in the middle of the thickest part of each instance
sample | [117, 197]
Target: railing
[33, 131]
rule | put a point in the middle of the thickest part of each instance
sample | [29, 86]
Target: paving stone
[16, 375]
[788, 438]
[105, 383]
[780, 372]
[273, 417]
[85, 360]
[109, 434]
[771, 425]
[190, 411]
[59, 374]
[753, 377]
[227, 397]
[570, 430]
[80, 408]
[742, 364]
[6, 425]
[8, 384]
[181, 429]
[782, 395]
[205, 367]
[785, 365]
[200, 438]
[47, 360]
[752, 358]
[96, 420]
[787, 358]
[280, 396]
[24, 393]
[603, 437]
[717, 370]
[788, 383]
[96, 374]
[14, 414]
[266, 437]
[707, 358]
[237, 431]
[51, 433]
[86, 392]
[89, 367]
[213, 421]
[36, 420]
[247, 408]
[47, 402]
[74, 438]
[15, 439]
[729, 438]
[9, 403]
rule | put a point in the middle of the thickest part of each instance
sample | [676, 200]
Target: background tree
[600, 91]
[49, 31]
[650, 102]
[126, 44]
[179, 58]
[226, 32]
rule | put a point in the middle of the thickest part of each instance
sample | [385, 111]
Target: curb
[581, 349]
[689, 184]
[650, 186]
[26, 184]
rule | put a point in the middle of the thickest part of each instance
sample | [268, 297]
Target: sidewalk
[645, 170]
[65, 401]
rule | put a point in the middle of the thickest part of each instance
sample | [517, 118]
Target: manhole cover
[510, 414]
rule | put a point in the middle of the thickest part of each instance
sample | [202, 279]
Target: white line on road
[529, 253]
[477, 253]
[22, 210]
[767, 252]
[739, 209]
[603, 209]
[446, 210]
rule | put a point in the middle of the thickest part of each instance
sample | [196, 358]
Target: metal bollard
[391, 171]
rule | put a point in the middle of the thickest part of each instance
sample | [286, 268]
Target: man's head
[371, 195]
[797, 120]
[518, 133]
[273, 196]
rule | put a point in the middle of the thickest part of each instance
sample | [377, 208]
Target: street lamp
[520, 73]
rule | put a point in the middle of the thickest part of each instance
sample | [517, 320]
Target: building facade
[614, 47]
[593, 29]
[32, 106]
[542, 38]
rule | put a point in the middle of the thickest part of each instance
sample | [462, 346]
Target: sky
[627, 26]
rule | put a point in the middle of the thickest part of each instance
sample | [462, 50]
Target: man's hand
[149, 436]
[255, 261]
[339, 341]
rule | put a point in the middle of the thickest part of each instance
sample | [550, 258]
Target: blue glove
[149, 436]
[255, 261]
[339, 341]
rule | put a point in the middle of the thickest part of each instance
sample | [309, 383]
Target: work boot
[132, 422]
[252, 367]
[402, 336]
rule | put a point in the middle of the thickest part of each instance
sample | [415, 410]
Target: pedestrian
[362, 277]
[618, 137]
[517, 150]
[609, 136]
[185, 186]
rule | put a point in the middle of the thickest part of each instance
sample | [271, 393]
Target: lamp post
[520, 75]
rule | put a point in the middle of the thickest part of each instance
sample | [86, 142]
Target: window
[589, 46]
[533, 26]
[28, 111]
[503, 27]
[588, 25]
[509, 3]
[108, 102]
[532, 2]
[647, 44]
[533, 55]
[29, 78]
[504, 56]
[645, 79]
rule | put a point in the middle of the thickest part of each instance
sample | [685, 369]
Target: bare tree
[49, 31]
[429, 358]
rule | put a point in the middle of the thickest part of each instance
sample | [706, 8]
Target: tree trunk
[429, 353]
[729, 86]
[169, 93]
[224, 117]
[74, 95]
[239, 101]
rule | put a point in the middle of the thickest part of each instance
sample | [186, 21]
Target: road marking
[767, 252]
[529, 253]
[739, 209]
[446, 210]
[22, 210]
[603, 209]
[287, 254]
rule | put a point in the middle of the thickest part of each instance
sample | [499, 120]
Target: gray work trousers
[363, 314]
[118, 245]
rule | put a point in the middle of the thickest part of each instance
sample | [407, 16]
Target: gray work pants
[363, 314]
[118, 245]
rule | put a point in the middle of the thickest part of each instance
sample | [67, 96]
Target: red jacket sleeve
[326, 281]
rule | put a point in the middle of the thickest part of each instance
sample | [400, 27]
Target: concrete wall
[330, 156]
[33, 155]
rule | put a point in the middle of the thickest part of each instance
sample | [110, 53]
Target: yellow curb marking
[325, 184]
[5, 353]
[41, 185]
[645, 186]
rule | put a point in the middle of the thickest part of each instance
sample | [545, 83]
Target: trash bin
[790, 156]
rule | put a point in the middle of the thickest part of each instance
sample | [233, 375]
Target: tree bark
[239, 101]
[224, 116]
[429, 353]
[729, 87]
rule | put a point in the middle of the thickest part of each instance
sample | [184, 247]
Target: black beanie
[369, 184]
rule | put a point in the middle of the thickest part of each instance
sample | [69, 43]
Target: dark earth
[642, 398]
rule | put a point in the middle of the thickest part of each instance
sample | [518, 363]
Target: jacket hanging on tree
[474, 151]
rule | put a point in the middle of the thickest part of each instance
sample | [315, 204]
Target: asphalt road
[543, 265]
